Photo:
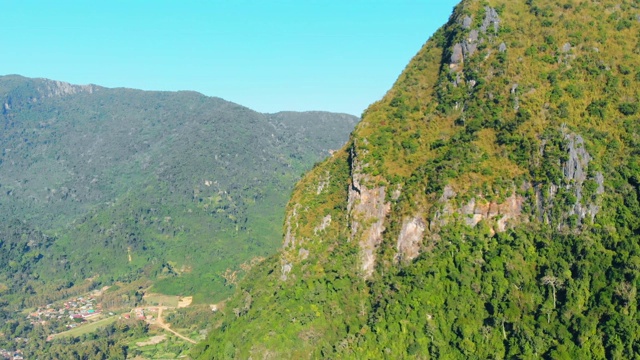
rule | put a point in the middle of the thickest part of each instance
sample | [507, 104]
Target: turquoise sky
[267, 55]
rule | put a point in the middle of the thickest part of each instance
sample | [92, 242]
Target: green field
[160, 299]
[85, 329]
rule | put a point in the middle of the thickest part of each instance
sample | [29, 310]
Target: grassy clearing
[88, 328]
[165, 300]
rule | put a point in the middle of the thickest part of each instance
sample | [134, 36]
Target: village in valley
[69, 314]
[12, 355]
[80, 315]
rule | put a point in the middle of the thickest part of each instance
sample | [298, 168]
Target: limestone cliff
[367, 209]
[485, 207]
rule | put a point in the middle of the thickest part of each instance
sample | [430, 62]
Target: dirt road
[161, 323]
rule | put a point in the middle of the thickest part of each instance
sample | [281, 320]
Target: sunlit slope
[486, 207]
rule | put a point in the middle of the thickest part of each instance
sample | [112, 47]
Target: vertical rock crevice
[367, 209]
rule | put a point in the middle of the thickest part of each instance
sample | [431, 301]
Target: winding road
[161, 323]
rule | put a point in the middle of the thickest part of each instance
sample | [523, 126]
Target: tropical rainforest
[486, 207]
[171, 192]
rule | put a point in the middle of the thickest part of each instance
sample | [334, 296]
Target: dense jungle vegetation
[486, 207]
[101, 186]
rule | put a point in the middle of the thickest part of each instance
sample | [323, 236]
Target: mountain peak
[499, 166]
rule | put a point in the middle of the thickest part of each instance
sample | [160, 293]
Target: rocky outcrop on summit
[491, 18]
[19, 90]
[469, 45]
[51, 88]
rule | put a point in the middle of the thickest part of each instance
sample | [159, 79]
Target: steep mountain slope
[486, 207]
[132, 183]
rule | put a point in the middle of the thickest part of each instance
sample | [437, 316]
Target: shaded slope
[485, 207]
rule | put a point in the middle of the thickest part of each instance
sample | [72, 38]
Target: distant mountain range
[165, 185]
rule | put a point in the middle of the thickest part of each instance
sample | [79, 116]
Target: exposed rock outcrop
[505, 214]
[289, 238]
[457, 55]
[478, 209]
[51, 88]
[576, 165]
[326, 221]
[469, 45]
[491, 17]
[466, 22]
[575, 173]
[367, 212]
[289, 244]
[286, 269]
[410, 239]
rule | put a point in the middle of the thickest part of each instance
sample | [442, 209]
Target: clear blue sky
[269, 55]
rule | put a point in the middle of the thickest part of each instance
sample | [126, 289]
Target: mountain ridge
[91, 87]
[484, 207]
[124, 179]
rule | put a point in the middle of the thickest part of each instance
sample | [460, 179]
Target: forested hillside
[486, 207]
[123, 184]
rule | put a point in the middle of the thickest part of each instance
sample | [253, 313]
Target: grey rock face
[574, 168]
[600, 182]
[468, 48]
[470, 44]
[457, 54]
[491, 17]
[473, 36]
[286, 269]
[566, 48]
[367, 211]
[575, 174]
[466, 22]
[410, 239]
[326, 221]
[52, 88]
[447, 193]
[289, 238]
